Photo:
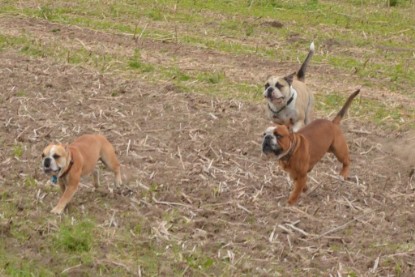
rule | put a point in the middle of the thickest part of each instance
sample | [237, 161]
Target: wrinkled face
[276, 140]
[277, 90]
[54, 159]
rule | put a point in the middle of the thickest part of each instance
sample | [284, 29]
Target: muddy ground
[194, 176]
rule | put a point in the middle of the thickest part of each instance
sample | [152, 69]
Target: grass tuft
[30, 181]
[211, 77]
[75, 238]
[18, 150]
[136, 63]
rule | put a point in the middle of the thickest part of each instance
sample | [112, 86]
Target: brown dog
[289, 102]
[299, 152]
[67, 164]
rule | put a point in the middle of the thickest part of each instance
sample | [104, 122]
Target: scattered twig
[243, 208]
[70, 268]
[375, 265]
[284, 228]
[289, 242]
[298, 230]
[128, 147]
[360, 132]
[171, 203]
[339, 227]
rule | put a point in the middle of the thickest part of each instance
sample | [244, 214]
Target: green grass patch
[178, 75]
[211, 77]
[199, 262]
[16, 266]
[75, 238]
[29, 181]
[18, 150]
[136, 63]
[32, 51]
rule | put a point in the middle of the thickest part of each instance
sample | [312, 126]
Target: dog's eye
[266, 85]
[56, 156]
[278, 136]
[278, 85]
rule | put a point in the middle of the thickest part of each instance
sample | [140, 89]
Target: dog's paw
[57, 210]
[342, 178]
[354, 179]
[292, 201]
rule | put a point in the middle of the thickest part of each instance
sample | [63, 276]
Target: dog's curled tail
[345, 107]
[303, 68]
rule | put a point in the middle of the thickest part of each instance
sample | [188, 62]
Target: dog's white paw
[57, 210]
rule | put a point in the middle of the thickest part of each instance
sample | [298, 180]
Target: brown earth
[194, 171]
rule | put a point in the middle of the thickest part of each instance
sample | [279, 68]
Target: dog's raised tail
[345, 107]
[303, 68]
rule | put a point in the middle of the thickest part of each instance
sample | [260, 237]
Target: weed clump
[75, 238]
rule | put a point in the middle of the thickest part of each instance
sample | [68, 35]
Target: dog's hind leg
[309, 111]
[111, 162]
[95, 177]
[299, 186]
[340, 150]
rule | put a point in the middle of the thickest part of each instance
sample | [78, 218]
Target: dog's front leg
[62, 184]
[297, 126]
[299, 186]
[69, 192]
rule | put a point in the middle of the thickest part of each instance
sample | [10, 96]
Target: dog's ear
[289, 78]
[66, 147]
[68, 152]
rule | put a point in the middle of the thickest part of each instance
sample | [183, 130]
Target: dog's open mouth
[269, 150]
[279, 100]
[50, 171]
[276, 100]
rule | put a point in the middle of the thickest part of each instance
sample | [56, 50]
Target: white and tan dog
[290, 103]
[67, 163]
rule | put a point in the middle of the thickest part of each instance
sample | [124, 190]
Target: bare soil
[194, 173]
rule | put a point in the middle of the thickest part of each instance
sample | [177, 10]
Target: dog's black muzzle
[46, 163]
[269, 147]
[269, 92]
[266, 148]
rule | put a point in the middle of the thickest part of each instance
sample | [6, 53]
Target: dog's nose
[268, 138]
[269, 92]
[46, 163]
[266, 144]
